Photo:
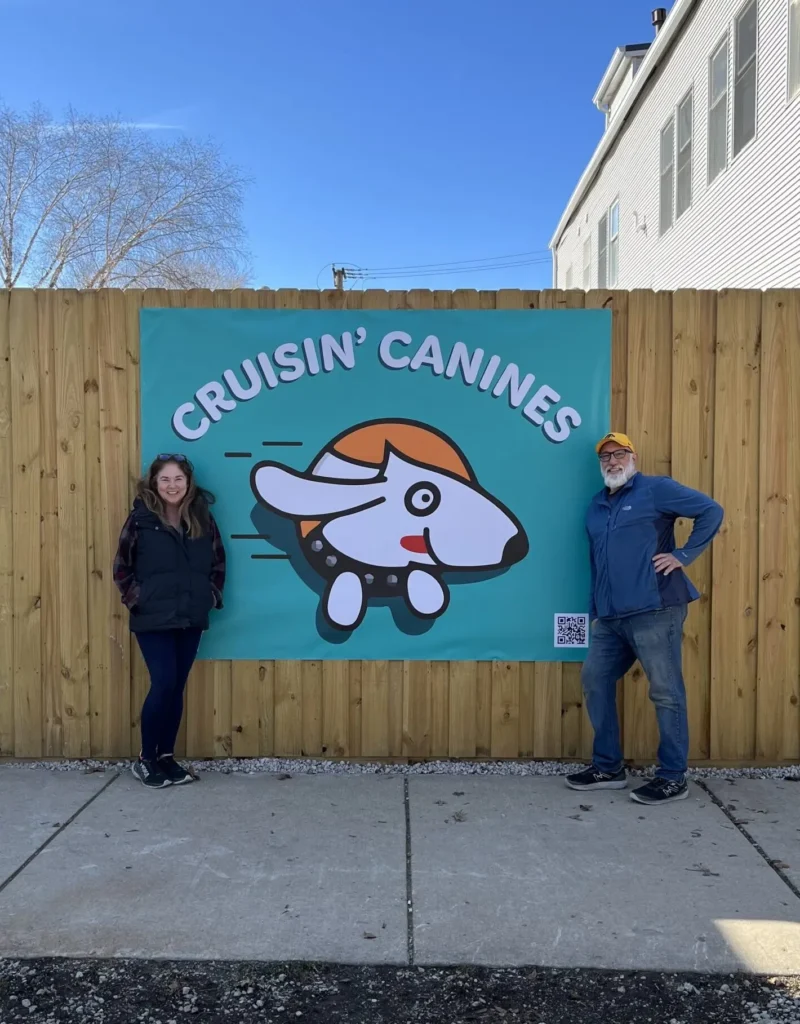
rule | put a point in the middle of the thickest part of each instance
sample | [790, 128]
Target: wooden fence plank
[574, 724]
[199, 710]
[73, 541]
[223, 683]
[335, 708]
[505, 709]
[416, 708]
[134, 302]
[440, 708]
[266, 716]
[572, 713]
[288, 676]
[649, 418]
[100, 562]
[245, 709]
[777, 697]
[548, 676]
[26, 504]
[311, 682]
[483, 708]
[527, 707]
[206, 699]
[694, 316]
[396, 684]
[470, 728]
[734, 608]
[250, 719]
[505, 741]
[52, 697]
[110, 665]
[6, 539]
[354, 724]
[461, 708]
[617, 302]
[375, 708]
[288, 713]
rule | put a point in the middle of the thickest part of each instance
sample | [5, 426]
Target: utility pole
[339, 278]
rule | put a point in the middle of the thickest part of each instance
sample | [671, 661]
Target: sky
[374, 134]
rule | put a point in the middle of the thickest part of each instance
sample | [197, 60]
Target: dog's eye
[422, 499]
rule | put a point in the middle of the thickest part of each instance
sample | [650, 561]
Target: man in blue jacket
[638, 605]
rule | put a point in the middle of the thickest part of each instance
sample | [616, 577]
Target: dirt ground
[169, 992]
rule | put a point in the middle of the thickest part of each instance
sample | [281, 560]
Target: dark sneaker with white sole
[175, 772]
[149, 773]
[661, 791]
[593, 778]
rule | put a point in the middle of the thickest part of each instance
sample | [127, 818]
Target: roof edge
[672, 27]
[622, 55]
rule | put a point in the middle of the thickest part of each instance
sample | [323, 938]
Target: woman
[170, 570]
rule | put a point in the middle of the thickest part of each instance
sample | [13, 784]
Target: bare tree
[94, 203]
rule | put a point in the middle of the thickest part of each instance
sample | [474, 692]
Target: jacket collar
[143, 513]
[604, 497]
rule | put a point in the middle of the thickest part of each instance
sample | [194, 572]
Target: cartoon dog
[385, 509]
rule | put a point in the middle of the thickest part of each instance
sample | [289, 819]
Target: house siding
[743, 230]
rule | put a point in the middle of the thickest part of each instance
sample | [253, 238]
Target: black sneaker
[175, 772]
[150, 774]
[660, 791]
[593, 778]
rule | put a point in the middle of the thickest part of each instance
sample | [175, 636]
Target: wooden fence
[707, 384]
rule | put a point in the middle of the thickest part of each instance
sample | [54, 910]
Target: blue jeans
[169, 655]
[655, 639]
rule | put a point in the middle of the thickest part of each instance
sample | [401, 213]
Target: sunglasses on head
[167, 457]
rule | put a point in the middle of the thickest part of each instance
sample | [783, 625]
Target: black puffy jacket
[167, 579]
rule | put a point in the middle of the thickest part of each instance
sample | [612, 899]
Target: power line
[459, 263]
[364, 275]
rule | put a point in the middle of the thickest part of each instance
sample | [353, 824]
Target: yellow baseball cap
[621, 439]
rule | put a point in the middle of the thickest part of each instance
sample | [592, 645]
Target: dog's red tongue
[416, 544]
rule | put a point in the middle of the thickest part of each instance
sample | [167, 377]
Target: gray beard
[613, 483]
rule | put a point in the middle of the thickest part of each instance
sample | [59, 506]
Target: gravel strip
[170, 992]
[312, 766]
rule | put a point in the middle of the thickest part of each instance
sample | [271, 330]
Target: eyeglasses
[619, 455]
[167, 457]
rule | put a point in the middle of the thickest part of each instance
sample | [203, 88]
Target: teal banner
[389, 485]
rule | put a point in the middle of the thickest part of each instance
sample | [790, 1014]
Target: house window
[587, 264]
[667, 175]
[569, 277]
[794, 48]
[744, 80]
[718, 112]
[613, 245]
[602, 252]
[683, 191]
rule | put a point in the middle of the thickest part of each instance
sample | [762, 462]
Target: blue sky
[376, 133]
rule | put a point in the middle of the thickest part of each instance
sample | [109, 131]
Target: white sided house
[696, 180]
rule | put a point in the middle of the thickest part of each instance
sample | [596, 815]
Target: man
[638, 606]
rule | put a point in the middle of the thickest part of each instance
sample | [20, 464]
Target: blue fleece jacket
[627, 528]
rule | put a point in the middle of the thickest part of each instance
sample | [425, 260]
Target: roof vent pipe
[659, 17]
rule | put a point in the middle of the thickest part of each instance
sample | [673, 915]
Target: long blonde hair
[193, 510]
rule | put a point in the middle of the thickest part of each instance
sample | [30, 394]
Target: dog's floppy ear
[292, 494]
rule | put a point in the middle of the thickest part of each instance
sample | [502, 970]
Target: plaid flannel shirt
[125, 563]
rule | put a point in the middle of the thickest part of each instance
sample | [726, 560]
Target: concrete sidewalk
[439, 869]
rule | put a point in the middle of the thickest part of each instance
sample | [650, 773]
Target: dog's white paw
[426, 595]
[345, 602]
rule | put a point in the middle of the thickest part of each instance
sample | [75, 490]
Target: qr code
[571, 631]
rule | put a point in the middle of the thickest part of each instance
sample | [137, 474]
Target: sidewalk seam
[409, 881]
[757, 846]
[14, 874]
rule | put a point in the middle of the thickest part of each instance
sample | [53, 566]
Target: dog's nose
[516, 549]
